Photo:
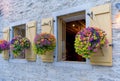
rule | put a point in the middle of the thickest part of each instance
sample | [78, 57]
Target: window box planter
[5, 54]
[47, 57]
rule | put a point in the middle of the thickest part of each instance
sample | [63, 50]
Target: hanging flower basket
[89, 40]
[44, 45]
[18, 44]
[4, 45]
[44, 42]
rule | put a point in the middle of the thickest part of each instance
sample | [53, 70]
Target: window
[27, 30]
[99, 17]
[68, 26]
[20, 30]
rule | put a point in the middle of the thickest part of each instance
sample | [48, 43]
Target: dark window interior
[71, 29]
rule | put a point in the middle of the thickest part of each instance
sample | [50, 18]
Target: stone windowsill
[75, 65]
[18, 61]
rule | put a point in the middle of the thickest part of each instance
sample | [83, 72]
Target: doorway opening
[68, 26]
[20, 30]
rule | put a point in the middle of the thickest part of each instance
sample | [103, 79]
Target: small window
[68, 26]
[20, 31]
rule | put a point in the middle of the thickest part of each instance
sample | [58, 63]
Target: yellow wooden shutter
[30, 34]
[102, 18]
[6, 36]
[47, 26]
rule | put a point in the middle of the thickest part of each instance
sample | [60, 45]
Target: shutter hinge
[111, 45]
[90, 15]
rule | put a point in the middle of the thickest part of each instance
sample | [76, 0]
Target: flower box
[47, 57]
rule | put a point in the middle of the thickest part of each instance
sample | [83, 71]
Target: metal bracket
[111, 45]
[53, 20]
[90, 15]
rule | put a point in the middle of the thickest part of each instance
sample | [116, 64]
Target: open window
[20, 30]
[68, 26]
[27, 30]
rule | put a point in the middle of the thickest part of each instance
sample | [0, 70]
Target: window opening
[68, 26]
[20, 30]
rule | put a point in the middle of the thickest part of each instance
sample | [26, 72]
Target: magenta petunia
[4, 45]
[44, 42]
[89, 40]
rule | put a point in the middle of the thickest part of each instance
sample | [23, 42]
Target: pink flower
[95, 50]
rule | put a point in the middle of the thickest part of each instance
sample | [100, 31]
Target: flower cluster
[18, 44]
[44, 42]
[89, 40]
[4, 45]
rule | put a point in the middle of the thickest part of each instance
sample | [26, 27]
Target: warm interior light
[73, 25]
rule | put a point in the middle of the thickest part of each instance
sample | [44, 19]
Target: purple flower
[12, 41]
[36, 38]
[4, 45]
[95, 50]
[91, 39]
[89, 48]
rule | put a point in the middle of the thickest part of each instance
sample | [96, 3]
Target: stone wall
[12, 11]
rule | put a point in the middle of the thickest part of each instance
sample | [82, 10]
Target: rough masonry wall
[12, 11]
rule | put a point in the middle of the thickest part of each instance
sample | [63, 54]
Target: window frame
[61, 20]
[12, 59]
[13, 37]
[74, 64]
